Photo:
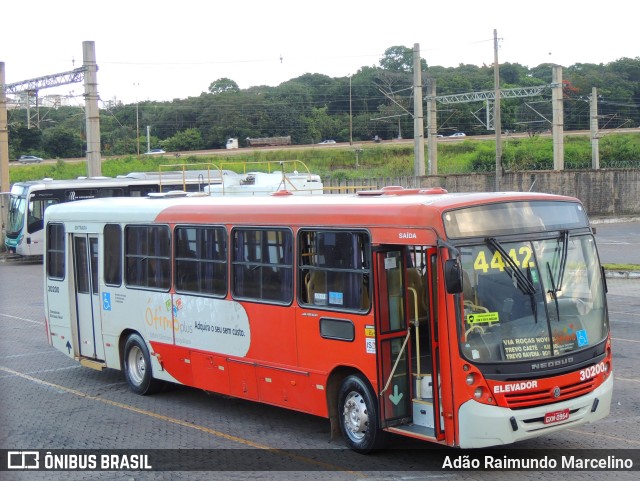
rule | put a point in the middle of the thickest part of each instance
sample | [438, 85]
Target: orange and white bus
[468, 320]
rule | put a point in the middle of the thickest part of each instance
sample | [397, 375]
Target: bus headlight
[478, 393]
[471, 379]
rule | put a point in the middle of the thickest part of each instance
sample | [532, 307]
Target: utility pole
[557, 129]
[94, 166]
[148, 138]
[595, 140]
[418, 120]
[432, 126]
[4, 156]
[137, 129]
[497, 123]
[350, 114]
[136, 85]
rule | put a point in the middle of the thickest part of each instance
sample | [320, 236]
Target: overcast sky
[160, 50]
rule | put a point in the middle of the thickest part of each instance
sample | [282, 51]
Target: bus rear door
[85, 257]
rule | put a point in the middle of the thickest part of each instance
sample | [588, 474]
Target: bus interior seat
[498, 294]
[316, 284]
[468, 292]
[319, 284]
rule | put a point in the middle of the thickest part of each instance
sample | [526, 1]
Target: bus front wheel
[137, 366]
[358, 415]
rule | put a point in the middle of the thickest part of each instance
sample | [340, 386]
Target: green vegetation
[373, 160]
[376, 100]
[622, 267]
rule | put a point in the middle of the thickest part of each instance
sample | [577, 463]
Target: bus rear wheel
[137, 367]
[358, 415]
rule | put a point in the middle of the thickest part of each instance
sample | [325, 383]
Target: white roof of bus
[127, 209]
[133, 178]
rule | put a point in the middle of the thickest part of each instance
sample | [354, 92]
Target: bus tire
[358, 415]
[137, 367]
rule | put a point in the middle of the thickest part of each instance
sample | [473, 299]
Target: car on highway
[458, 134]
[328, 141]
[27, 159]
[155, 152]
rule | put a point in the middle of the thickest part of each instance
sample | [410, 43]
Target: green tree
[24, 140]
[320, 125]
[189, 139]
[223, 85]
[62, 142]
[400, 59]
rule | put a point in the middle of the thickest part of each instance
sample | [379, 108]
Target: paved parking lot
[50, 402]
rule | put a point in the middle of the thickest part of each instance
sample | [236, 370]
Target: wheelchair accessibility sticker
[106, 301]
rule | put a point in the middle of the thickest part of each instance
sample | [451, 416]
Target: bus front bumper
[481, 425]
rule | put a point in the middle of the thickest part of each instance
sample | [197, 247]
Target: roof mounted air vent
[167, 195]
[433, 191]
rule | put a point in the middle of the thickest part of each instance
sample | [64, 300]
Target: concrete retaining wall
[610, 192]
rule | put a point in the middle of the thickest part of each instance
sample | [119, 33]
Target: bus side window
[262, 264]
[201, 260]
[35, 214]
[148, 256]
[55, 251]
[334, 269]
[112, 254]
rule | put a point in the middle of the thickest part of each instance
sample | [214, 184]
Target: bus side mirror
[453, 276]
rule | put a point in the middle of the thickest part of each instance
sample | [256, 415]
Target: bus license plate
[556, 416]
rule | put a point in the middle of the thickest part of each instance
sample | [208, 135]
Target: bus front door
[85, 256]
[393, 339]
[407, 374]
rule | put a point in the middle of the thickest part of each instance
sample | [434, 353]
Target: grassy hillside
[376, 160]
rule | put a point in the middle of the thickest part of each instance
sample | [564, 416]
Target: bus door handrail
[395, 365]
[416, 323]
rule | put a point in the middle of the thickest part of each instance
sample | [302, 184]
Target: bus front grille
[541, 397]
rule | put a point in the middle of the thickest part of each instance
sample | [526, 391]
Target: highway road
[618, 242]
[342, 145]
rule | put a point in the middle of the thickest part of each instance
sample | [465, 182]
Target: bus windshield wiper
[556, 284]
[563, 259]
[557, 287]
[522, 282]
[554, 290]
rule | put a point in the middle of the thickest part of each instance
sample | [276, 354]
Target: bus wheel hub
[356, 417]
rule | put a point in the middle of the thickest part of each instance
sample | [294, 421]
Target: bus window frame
[60, 252]
[167, 259]
[234, 264]
[199, 260]
[109, 262]
[304, 269]
[34, 221]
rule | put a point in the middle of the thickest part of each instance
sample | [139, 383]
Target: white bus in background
[232, 143]
[263, 183]
[29, 200]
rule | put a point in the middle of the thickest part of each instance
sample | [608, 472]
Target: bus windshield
[531, 300]
[17, 211]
